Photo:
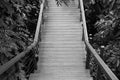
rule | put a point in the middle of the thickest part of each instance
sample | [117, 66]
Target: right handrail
[91, 50]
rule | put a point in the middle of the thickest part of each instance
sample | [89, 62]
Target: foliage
[17, 27]
[59, 2]
[111, 56]
[103, 22]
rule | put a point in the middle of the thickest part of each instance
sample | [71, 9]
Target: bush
[18, 19]
[103, 22]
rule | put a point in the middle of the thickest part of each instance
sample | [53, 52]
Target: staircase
[62, 52]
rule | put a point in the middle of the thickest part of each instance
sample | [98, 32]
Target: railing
[102, 70]
[17, 58]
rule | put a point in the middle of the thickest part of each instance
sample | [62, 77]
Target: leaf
[118, 63]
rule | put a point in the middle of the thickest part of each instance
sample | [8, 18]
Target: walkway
[62, 52]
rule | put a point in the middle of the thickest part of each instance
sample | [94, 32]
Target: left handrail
[10, 63]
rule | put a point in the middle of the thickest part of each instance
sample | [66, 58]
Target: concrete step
[58, 37]
[61, 20]
[61, 29]
[60, 13]
[69, 26]
[57, 11]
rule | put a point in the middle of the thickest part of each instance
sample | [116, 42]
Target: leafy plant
[66, 2]
[18, 19]
[103, 22]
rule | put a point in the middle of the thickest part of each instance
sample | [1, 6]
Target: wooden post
[98, 73]
[83, 36]
[87, 59]
[101, 52]
[46, 4]
[78, 3]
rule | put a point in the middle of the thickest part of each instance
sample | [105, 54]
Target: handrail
[101, 63]
[10, 63]
[84, 21]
